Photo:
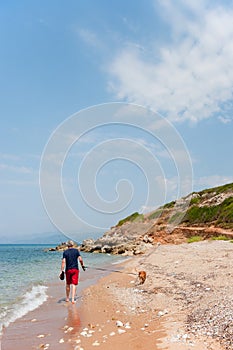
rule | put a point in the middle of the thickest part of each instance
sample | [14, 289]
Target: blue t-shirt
[71, 255]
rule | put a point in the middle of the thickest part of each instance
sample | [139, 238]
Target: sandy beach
[185, 303]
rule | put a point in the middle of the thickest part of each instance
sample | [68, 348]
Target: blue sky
[60, 59]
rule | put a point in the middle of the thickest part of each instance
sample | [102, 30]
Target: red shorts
[72, 276]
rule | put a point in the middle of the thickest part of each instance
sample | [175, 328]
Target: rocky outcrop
[60, 247]
[127, 239]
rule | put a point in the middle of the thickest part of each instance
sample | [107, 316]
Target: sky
[108, 108]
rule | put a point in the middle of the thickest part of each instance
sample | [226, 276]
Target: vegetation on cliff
[211, 206]
[135, 217]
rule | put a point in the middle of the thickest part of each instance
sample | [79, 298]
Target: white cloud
[212, 181]
[190, 78]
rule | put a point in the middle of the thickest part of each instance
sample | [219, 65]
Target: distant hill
[50, 238]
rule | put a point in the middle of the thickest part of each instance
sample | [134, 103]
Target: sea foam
[29, 302]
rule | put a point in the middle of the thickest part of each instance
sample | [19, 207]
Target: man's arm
[63, 264]
[81, 262]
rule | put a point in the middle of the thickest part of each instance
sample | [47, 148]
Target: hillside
[200, 215]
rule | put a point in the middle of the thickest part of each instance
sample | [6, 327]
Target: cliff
[207, 214]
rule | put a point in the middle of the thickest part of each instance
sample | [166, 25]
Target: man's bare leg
[73, 292]
[67, 292]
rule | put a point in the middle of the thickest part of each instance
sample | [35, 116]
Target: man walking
[70, 259]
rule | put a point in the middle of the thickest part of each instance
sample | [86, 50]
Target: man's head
[70, 244]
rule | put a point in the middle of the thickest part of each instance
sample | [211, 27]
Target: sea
[26, 272]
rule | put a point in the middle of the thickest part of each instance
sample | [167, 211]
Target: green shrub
[226, 214]
[194, 239]
[133, 217]
[222, 213]
[220, 238]
[195, 200]
[169, 205]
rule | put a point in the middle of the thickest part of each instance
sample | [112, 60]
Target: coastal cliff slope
[200, 215]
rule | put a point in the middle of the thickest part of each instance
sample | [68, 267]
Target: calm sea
[26, 271]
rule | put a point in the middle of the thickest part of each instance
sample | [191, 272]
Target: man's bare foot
[73, 301]
[67, 300]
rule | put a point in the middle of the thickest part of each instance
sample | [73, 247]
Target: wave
[30, 301]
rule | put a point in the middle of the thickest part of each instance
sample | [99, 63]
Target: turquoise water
[26, 271]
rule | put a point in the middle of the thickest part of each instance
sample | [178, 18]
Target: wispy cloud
[16, 169]
[212, 181]
[89, 37]
[191, 77]
[225, 120]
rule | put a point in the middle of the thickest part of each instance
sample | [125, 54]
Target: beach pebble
[119, 324]
[127, 325]
[121, 331]
[34, 320]
[112, 333]
[41, 336]
[185, 336]
[69, 329]
[84, 333]
[96, 343]
[61, 341]
[161, 313]
[146, 325]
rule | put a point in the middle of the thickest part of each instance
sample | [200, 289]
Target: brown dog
[141, 277]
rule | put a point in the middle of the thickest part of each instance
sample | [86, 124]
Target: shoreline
[169, 311]
[50, 326]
